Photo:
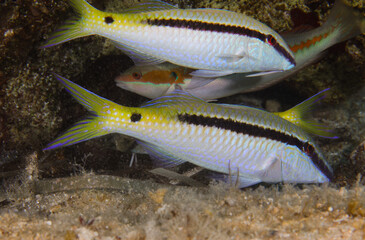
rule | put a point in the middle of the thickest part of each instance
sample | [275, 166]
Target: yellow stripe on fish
[257, 145]
[217, 42]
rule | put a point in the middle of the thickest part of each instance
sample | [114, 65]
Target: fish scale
[255, 117]
[214, 41]
[342, 23]
[179, 128]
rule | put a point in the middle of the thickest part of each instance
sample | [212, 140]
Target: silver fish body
[214, 137]
[217, 42]
[343, 23]
[249, 143]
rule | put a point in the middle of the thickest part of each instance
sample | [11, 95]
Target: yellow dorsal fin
[298, 116]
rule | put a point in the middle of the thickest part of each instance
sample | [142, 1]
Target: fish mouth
[120, 83]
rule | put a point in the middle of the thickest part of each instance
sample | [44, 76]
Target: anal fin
[247, 182]
[211, 73]
[262, 74]
[236, 180]
[139, 58]
[197, 82]
[176, 176]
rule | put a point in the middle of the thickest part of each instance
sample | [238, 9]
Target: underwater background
[88, 191]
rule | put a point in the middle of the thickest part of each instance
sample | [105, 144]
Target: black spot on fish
[136, 117]
[108, 20]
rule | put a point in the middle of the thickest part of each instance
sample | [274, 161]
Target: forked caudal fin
[298, 114]
[87, 20]
[349, 21]
[73, 28]
[91, 127]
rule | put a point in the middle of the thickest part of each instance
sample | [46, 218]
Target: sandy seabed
[105, 207]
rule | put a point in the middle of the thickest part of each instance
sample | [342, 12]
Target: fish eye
[137, 75]
[271, 40]
[308, 149]
[174, 75]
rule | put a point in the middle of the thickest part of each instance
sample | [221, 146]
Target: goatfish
[342, 24]
[215, 42]
[250, 144]
[155, 80]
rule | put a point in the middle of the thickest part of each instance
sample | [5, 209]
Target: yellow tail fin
[91, 127]
[298, 116]
[72, 28]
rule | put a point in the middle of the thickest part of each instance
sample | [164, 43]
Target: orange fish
[155, 80]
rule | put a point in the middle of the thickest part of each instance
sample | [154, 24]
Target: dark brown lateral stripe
[217, 27]
[257, 131]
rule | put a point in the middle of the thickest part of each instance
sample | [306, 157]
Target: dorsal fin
[298, 116]
[149, 6]
[212, 10]
[300, 29]
[178, 97]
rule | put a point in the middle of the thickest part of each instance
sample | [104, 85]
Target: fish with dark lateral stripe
[214, 41]
[255, 145]
[154, 81]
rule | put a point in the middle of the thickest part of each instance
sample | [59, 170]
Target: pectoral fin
[231, 58]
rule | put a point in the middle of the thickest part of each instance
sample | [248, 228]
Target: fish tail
[348, 21]
[91, 127]
[74, 27]
[298, 116]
